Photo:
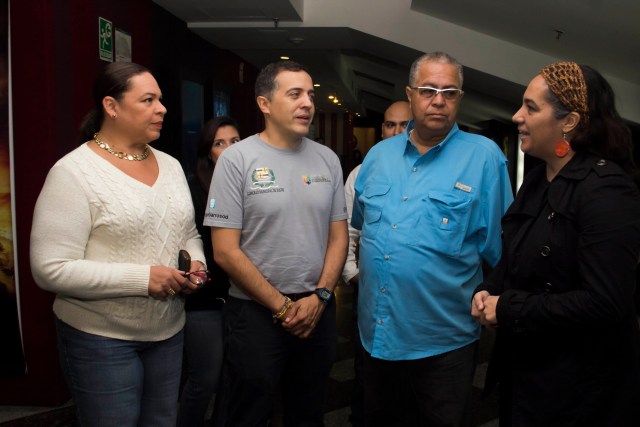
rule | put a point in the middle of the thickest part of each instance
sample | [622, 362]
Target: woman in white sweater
[107, 228]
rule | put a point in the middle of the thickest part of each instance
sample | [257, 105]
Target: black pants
[357, 398]
[430, 392]
[263, 358]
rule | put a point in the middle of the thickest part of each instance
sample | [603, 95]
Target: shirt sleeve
[193, 244]
[339, 206]
[497, 197]
[60, 231]
[350, 267]
[357, 212]
[225, 203]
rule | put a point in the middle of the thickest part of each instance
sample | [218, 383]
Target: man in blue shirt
[428, 203]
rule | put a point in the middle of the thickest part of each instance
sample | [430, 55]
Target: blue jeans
[121, 383]
[204, 350]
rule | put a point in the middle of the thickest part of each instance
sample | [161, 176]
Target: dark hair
[605, 134]
[208, 132]
[205, 165]
[266, 80]
[114, 81]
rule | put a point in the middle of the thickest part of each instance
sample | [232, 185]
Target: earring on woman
[562, 147]
[114, 116]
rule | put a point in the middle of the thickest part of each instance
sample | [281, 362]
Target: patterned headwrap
[566, 81]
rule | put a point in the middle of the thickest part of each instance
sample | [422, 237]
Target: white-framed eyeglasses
[426, 92]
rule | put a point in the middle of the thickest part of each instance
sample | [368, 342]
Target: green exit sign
[105, 39]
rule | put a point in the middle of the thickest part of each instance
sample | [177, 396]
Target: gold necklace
[120, 154]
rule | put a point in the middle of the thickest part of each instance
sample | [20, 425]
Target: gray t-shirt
[283, 201]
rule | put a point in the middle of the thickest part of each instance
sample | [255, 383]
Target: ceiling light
[284, 57]
[331, 96]
[316, 85]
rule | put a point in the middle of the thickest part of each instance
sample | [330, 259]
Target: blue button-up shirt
[427, 223]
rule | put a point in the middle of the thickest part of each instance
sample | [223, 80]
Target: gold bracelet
[280, 314]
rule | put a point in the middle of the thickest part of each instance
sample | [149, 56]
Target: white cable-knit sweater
[96, 232]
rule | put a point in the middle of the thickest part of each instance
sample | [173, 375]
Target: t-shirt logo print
[263, 178]
[308, 179]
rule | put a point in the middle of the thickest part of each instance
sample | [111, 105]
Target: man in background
[396, 118]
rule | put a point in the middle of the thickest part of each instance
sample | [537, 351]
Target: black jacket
[568, 347]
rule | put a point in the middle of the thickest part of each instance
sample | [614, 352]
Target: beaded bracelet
[279, 315]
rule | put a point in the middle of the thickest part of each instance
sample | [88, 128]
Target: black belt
[300, 295]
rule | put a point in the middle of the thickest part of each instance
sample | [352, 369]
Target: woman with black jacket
[561, 298]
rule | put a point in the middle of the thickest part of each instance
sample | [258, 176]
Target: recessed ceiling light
[284, 57]
[316, 84]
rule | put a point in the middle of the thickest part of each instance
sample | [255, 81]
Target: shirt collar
[454, 130]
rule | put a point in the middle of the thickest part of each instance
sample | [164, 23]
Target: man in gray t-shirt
[282, 201]
[278, 217]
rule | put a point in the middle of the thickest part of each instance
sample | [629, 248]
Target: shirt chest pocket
[374, 198]
[444, 222]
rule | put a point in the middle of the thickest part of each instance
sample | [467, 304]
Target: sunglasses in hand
[197, 277]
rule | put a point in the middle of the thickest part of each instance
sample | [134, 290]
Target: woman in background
[567, 346]
[107, 228]
[204, 327]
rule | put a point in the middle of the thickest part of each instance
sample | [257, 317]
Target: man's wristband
[280, 314]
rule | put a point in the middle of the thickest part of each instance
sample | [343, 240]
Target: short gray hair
[440, 57]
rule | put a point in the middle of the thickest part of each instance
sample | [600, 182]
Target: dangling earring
[562, 147]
